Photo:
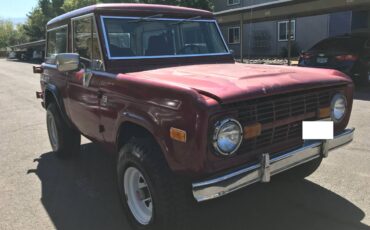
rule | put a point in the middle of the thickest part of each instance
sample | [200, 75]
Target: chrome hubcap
[138, 195]
[52, 131]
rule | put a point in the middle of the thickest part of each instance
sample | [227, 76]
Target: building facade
[270, 38]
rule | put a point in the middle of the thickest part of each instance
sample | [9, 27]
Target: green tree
[10, 34]
[40, 15]
[35, 25]
[70, 5]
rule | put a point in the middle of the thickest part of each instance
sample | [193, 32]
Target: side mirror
[68, 62]
[232, 52]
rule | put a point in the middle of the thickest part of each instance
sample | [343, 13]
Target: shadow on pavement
[81, 194]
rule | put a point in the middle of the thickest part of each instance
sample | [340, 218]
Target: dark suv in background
[347, 53]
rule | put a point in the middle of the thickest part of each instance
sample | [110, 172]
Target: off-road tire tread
[69, 139]
[172, 193]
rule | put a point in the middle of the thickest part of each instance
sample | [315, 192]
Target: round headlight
[227, 137]
[338, 107]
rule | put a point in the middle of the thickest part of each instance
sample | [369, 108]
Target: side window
[85, 42]
[56, 43]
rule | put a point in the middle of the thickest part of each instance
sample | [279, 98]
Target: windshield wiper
[148, 18]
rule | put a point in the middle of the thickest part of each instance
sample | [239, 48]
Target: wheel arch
[52, 95]
[129, 129]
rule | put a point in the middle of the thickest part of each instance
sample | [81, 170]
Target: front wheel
[138, 195]
[151, 195]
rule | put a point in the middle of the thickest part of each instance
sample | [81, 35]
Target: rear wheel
[64, 141]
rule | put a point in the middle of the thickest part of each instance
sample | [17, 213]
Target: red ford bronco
[158, 86]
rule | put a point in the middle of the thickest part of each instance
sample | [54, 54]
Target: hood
[233, 81]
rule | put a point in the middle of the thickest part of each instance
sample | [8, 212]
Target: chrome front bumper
[261, 171]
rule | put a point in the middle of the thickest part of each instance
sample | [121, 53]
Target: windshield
[143, 37]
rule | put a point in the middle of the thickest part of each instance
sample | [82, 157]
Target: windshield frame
[107, 49]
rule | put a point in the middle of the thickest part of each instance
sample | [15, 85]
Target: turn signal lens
[252, 131]
[178, 135]
[325, 112]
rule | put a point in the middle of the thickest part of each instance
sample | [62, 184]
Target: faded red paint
[233, 81]
[139, 91]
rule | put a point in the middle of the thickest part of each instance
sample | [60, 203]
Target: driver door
[83, 86]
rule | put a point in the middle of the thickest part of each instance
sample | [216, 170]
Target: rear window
[340, 44]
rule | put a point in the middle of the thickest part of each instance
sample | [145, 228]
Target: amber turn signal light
[178, 135]
[252, 130]
[324, 112]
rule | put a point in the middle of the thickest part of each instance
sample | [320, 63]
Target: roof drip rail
[147, 18]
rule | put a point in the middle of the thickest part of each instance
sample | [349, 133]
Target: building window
[283, 30]
[234, 35]
[233, 2]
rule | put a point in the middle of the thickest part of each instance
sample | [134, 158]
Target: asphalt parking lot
[39, 191]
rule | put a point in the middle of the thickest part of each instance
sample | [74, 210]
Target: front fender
[52, 94]
[152, 123]
[183, 158]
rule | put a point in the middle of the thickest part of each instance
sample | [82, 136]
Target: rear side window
[56, 43]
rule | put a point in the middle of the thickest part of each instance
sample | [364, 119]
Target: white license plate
[317, 130]
[322, 60]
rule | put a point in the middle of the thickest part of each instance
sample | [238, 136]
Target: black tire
[170, 195]
[68, 140]
[302, 171]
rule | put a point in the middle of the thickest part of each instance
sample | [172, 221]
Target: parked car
[37, 55]
[12, 55]
[157, 85]
[347, 53]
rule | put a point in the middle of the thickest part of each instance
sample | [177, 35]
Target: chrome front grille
[280, 118]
